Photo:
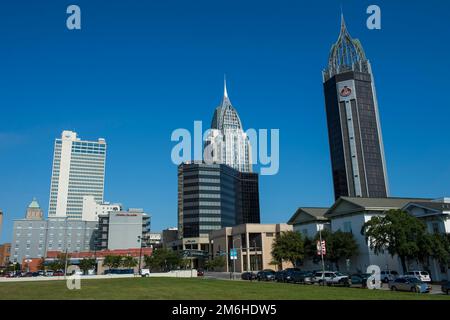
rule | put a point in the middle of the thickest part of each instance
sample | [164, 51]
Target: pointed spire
[343, 26]
[225, 93]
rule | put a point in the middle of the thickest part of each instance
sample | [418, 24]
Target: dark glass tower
[214, 196]
[354, 132]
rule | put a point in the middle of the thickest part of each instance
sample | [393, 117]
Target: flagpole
[321, 249]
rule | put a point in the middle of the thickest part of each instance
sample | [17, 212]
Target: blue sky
[140, 69]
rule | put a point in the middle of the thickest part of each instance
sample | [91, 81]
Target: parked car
[421, 275]
[359, 280]
[280, 276]
[445, 287]
[389, 275]
[28, 274]
[266, 275]
[288, 274]
[49, 273]
[305, 277]
[145, 272]
[411, 284]
[58, 273]
[331, 278]
[41, 273]
[200, 273]
[248, 276]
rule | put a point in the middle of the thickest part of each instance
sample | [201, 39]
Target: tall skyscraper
[227, 139]
[356, 144]
[78, 171]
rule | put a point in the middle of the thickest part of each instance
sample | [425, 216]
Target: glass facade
[215, 196]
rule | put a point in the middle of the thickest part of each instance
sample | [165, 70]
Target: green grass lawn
[193, 289]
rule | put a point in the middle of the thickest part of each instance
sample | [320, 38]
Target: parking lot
[435, 287]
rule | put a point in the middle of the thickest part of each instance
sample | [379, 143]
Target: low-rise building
[436, 215]
[99, 256]
[5, 253]
[349, 214]
[253, 243]
[123, 230]
[168, 237]
[34, 236]
[308, 221]
[155, 239]
[92, 209]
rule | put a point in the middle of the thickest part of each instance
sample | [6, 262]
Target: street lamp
[139, 239]
[234, 260]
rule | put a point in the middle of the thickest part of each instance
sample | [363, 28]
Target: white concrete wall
[366, 256]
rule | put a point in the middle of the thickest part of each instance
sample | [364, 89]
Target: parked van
[421, 275]
[389, 275]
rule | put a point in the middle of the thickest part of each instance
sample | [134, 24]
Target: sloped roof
[372, 204]
[34, 204]
[432, 205]
[312, 213]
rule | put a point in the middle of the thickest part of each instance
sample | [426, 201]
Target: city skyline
[266, 88]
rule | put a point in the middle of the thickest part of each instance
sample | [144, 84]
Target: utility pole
[140, 253]
[65, 264]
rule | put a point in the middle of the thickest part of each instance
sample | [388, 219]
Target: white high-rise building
[78, 171]
[227, 140]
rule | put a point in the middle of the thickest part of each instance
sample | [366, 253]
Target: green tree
[60, 262]
[439, 247]
[397, 233]
[112, 262]
[217, 262]
[163, 260]
[288, 246]
[339, 245]
[87, 264]
[41, 265]
[129, 262]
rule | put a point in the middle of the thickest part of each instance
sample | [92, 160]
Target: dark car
[288, 274]
[248, 276]
[280, 276]
[304, 277]
[266, 275]
[58, 273]
[28, 274]
[200, 273]
[359, 280]
[445, 287]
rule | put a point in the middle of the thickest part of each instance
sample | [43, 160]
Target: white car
[331, 278]
[145, 272]
[421, 275]
[388, 275]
